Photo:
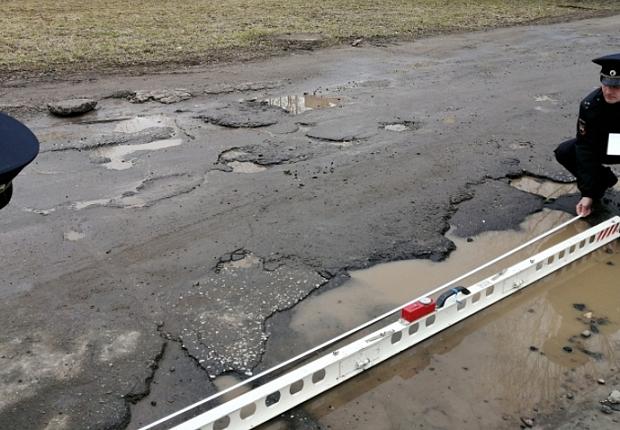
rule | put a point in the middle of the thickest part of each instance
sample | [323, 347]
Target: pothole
[87, 203]
[147, 192]
[297, 104]
[513, 351]
[396, 127]
[231, 158]
[43, 212]
[117, 154]
[400, 126]
[245, 167]
[140, 123]
[390, 284]
[544, 188]
[250, 260]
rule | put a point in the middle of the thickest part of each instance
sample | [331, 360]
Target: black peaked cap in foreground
[610, 69]
[18, 147]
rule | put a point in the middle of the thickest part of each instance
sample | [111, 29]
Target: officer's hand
[584, 207]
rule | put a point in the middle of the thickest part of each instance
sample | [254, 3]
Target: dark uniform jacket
[597, 119]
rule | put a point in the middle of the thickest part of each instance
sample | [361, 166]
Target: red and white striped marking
[608, 232]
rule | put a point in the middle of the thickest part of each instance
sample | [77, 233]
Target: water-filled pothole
[544, 188]
[139, 123]
[231, 159]
[509, 358]
[223, 382]
[297, 104]
[117, 154]
[396, 127]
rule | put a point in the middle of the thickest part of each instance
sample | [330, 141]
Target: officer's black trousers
[566, 154]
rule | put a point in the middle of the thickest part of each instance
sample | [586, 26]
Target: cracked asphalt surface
[134, 233]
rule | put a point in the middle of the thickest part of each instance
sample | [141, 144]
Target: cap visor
[610, 82]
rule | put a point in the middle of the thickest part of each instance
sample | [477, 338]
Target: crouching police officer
[18, 147]
[598, 137]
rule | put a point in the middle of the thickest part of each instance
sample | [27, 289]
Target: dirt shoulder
[109, 37]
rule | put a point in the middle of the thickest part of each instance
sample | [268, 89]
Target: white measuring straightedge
[271, 399]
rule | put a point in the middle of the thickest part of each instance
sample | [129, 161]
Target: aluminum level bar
[295, 387]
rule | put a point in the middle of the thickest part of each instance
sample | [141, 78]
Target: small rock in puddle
[527, 422]
[606, 409]
[595, 355]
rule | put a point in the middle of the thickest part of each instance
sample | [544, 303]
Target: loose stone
[527, 422]
[71, 107]
[614, 397]
[586, 334]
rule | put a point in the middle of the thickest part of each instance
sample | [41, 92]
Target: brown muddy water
[489, 370]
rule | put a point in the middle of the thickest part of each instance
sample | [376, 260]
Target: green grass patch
[45, 36]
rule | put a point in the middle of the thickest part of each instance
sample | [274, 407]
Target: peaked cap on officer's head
[610, 69]
[18, 147]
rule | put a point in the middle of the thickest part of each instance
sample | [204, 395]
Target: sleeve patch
[581, 127]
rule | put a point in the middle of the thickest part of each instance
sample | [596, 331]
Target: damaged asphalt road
[144, 226]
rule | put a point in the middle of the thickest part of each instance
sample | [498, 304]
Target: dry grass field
[57, 36]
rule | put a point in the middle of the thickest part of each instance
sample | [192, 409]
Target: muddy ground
[151, 244]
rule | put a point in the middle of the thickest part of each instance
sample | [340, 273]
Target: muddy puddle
[543, 188]
[118, 155]
[507, 362]
[139, 123]
[299, 104]
[226, 381]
